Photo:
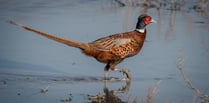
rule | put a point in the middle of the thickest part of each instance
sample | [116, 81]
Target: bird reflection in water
[110, 96]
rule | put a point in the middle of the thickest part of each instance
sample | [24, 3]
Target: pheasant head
[143, 21]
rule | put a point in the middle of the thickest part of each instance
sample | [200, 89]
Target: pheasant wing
[103, 44]
[125, 48]
[119, 45]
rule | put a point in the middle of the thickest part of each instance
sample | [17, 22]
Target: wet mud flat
[171, 68]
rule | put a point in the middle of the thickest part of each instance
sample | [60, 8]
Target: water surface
[30, 64]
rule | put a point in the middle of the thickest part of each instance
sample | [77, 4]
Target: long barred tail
[52, 37]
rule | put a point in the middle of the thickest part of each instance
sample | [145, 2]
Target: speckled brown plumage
[112, 49]
[117, 46]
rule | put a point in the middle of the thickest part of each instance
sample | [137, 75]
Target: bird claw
[126, 72]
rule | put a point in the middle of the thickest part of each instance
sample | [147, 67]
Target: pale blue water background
[29, 62]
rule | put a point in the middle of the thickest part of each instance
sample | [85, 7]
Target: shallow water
[34, 69]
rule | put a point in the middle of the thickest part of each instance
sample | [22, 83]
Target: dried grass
[151, 93]
[198, 93]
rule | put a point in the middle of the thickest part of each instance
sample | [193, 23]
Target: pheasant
[110, 50]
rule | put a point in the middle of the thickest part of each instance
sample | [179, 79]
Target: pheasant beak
[153, 21]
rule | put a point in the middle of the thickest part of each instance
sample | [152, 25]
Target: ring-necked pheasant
[112, 49]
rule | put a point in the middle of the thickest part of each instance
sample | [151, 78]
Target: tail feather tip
[13, 22]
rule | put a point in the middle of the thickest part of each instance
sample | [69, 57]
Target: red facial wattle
[147, 20]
